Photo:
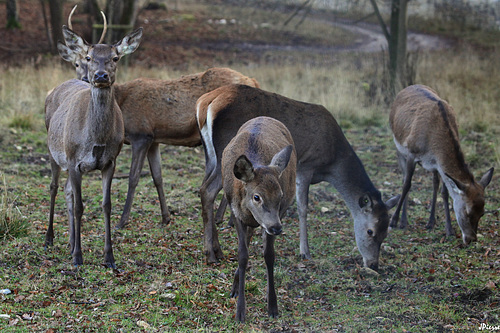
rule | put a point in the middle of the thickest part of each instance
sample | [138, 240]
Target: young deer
[323, 154]
[426, 132]
[258, 173]
[85, 132]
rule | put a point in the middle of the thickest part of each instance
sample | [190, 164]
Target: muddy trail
[370, 39]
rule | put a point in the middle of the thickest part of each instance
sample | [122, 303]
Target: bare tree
[12, 15]
[396, 39]
[122, 15]
[56, 13]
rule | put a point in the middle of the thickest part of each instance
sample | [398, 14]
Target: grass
[427, 283]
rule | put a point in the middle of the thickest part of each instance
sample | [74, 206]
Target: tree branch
[381, 20]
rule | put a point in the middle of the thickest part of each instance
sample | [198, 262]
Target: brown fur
[258, 168]
[426, 131]
[164, 111]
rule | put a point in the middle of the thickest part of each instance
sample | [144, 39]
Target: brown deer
[164, 111]
[323, 153]
[85, 132]
[426, 132]
[159, 111]
[258, 174]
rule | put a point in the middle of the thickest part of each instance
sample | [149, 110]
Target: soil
[176, 38]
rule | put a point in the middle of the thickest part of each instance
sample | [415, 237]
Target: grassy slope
[426, 283]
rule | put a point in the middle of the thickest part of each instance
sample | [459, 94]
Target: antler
[69, 17]
[103, 29]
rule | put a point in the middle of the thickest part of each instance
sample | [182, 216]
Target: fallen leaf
[143, 324]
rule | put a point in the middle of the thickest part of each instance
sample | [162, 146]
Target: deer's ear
[74, 42]
[243, 169]
[281, 159]
[66, 53]
[486, 179]
[365, 203]
[129, 43]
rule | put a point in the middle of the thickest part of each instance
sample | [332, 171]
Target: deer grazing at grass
[258, 174]
[426, 132]
[160, 111]
[323, 154]
[85, 132]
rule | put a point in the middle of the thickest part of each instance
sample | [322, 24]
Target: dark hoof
[305, 256]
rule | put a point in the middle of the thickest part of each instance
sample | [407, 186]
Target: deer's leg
[212, 184]
[409, 169]
[107, 177]
[75, 178]
[154, 160]
[54, 186]
[238, 289]
[269, 257]
[139, 150]
[70, 204]
[302, 195]
[448, 227]
[435, 188]
[219, 215]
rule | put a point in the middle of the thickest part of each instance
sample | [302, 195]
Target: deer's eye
[87, 58]
[370, 232]
[256, 198]
[115, 59]
[76, 65]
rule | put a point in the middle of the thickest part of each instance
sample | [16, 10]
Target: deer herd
[261, 148]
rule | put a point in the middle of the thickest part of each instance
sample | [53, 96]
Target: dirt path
[371, 39]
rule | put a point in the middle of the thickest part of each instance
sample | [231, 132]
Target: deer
[85, 132]
[161, 111]
[425, 132]
[79, 61]
[323, 154]
[258, 174]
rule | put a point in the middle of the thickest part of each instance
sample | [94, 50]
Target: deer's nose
[275, 230]
[101, 77]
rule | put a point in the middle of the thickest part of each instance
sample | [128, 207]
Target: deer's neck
[453, 164]
[101, 109]
[349, 177]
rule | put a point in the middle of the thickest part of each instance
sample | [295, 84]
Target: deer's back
[423, 122]
[317, 136]
[166, 109]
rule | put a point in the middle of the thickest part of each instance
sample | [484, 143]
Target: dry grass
[349, 88]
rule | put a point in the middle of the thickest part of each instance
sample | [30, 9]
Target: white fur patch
[206, 133]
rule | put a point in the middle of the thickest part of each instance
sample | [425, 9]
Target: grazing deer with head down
[426, 132]
[323, 153]
[258, 174]
[85, 132]
[161, 111]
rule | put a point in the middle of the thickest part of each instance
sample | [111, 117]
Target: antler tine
[103, 29]
[69, 17]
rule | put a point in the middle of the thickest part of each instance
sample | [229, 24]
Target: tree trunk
[396, 39]
[121, 13]
[12, 15]
[56, 13]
